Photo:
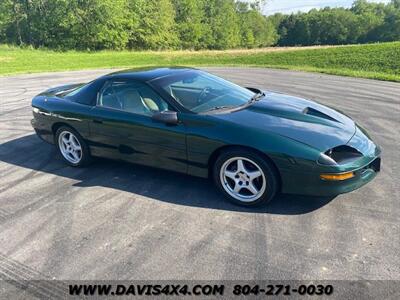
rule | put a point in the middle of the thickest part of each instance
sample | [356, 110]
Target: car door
[122, 127]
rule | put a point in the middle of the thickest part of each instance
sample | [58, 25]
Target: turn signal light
[337, 177]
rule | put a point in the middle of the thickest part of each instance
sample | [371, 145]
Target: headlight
[35, 109]
[326, 160]
[339, 155]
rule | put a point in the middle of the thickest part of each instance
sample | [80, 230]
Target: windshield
[201, 92]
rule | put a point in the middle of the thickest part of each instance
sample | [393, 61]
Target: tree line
[188, 24]
[364, 22]
[135, 24]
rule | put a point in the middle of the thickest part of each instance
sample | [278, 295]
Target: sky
[289, 6]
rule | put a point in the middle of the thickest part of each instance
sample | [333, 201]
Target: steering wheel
[203, 93]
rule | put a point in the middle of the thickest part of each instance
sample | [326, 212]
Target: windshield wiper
[256, 97]
[219, 107]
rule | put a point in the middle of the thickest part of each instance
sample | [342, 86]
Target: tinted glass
[86, 93]
[131, 97]
[200, 92]
[75, 91]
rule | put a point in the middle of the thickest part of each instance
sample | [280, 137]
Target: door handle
[97, 121]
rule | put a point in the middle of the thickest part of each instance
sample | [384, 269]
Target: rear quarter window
[86, 94]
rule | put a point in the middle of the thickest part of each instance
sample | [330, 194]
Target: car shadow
[32, 153]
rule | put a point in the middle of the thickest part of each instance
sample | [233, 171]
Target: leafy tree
[13, 14]
[155, 27]
[5, 18]
[190, 24]
[49, 24]
[255, 29]
[224, 23]
[390, 28]
[364, 22]
[78, 24]
[97, 24]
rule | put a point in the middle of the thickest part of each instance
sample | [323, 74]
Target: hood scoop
[316, 113]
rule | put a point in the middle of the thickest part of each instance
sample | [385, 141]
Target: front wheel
[72, 147]
[245, 177]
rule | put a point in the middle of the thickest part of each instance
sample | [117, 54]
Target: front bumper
[311, 184]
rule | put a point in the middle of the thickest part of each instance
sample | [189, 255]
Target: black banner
[280, 289]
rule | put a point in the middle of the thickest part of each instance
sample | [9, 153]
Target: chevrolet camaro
[252, 143]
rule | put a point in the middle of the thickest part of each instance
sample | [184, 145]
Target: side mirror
[167, 117]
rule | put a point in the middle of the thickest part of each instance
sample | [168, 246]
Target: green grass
[377, 61]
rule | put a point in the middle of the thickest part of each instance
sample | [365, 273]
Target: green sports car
[253, 143]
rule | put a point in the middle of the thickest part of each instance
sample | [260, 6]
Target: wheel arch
[213, 157]
[57, 125]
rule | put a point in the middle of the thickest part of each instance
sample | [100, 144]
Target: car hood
[299, 119]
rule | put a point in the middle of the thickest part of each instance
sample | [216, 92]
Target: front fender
[205, 136]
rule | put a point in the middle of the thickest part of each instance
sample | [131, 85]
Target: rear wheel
[72, 147]
[245, 177]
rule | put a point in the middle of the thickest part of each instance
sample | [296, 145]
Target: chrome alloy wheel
[243, 179]
[70, 147]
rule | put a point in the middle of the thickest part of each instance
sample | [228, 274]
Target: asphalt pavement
[115, 220]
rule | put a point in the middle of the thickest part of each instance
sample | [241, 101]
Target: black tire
[85, 157]
[270, 174]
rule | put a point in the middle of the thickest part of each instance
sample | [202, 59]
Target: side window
[131, 97]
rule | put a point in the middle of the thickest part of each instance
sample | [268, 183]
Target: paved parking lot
[113, 220]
